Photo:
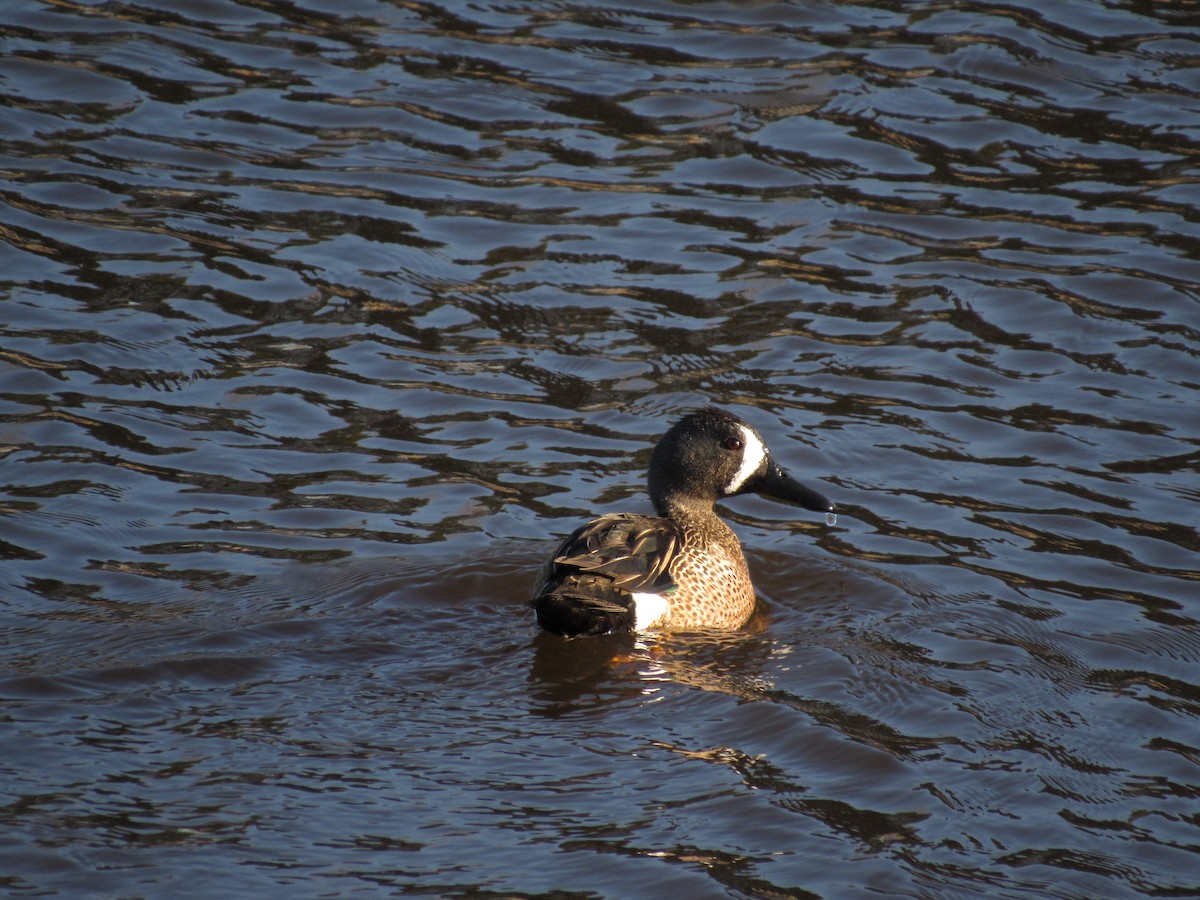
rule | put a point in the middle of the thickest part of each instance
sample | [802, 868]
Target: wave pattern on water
[319, 318]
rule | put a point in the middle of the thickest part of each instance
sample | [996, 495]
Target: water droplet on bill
[830, 519]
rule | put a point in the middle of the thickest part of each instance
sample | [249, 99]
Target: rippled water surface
[319, 321]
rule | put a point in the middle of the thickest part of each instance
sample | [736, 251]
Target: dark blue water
[320, 322]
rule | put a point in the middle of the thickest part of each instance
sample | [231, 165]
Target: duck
[684, 569]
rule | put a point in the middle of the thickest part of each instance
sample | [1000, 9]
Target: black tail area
[588, 605]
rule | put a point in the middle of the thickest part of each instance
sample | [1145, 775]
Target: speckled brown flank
[715, 590]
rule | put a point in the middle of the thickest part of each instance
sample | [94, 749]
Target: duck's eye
[732, 443]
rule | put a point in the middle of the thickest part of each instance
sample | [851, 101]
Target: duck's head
[710, 454]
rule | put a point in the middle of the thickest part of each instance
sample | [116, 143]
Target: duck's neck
[702, 527]
[685, 509]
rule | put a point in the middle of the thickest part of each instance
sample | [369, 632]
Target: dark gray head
[710, 454]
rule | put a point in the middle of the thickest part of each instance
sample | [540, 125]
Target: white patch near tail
[648, 610]
[753, 453]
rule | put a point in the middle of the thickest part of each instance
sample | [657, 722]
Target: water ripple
[319, 322]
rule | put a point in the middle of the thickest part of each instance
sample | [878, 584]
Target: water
[320, 322]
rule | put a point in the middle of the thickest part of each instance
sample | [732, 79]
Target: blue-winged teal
[684, 569]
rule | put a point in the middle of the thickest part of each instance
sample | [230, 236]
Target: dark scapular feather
[587, 586]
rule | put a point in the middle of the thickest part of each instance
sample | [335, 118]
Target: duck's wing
[587, 587]
[633, 552]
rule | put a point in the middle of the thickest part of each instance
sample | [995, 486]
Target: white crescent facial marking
[753, 453]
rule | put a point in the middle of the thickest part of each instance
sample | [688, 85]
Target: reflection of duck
[682, 570]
